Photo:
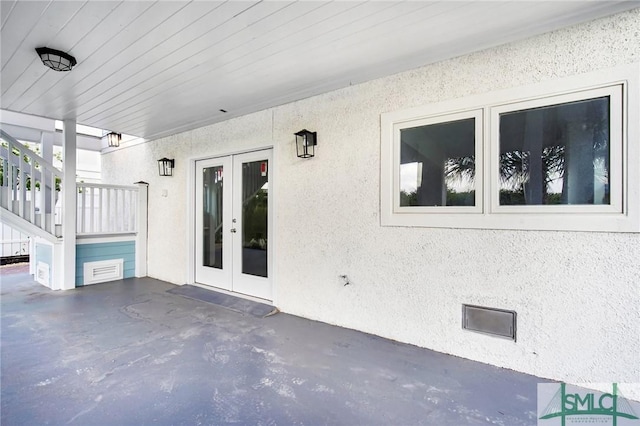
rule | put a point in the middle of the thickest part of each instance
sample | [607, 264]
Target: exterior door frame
[250, 284]
[191, 222]
[219, 278]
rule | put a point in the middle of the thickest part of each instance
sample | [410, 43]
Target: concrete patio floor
[129, 353]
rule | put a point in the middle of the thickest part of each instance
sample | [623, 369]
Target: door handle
[233, 230]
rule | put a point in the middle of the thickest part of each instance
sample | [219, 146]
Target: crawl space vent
[103, 271]
[42, 273]
[491, 321]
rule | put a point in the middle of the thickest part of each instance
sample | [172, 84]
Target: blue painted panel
[44, 253]
[125, 250]
[106, 249]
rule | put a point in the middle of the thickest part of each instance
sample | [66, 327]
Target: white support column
[141, 225]
[69, 209]
[32, 255]
[46, 147]
[57, 273]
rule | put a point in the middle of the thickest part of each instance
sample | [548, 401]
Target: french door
[233, 223]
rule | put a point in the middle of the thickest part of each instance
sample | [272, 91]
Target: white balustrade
[29, 185]
[106, 209]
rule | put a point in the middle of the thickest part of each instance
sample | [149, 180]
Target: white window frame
[621, 84]
[614, 93]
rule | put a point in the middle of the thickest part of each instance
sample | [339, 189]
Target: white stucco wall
[577, 294]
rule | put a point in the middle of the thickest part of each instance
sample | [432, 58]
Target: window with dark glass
[551, 156]
[437, 164]
[557, 154]
[212, 236]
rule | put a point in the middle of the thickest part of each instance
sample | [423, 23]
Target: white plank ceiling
[153, 69]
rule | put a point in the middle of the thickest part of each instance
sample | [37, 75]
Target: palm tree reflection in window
[556, 154]
[437, 164]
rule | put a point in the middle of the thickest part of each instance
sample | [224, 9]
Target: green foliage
[408, 199]
[461, 198]
[517, 198]
[555, 198]
[512, 198]
[507, 198]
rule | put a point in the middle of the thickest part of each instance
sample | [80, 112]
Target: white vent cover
[42, 273]
[103, 271]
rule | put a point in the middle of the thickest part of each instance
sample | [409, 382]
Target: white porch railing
[32, 201]
[29, 185]
[106, 209]
[14, 248]
[14, 242]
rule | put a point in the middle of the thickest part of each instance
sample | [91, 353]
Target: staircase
[30, 188]
[105, 225]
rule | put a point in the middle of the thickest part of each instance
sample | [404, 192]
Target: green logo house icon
[587, 406]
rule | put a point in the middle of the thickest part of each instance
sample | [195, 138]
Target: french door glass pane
[255, 191]
[212, 217]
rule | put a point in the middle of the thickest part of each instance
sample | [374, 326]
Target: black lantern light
[113, 139]
[165, 166]
[305, 143]
[57, 60]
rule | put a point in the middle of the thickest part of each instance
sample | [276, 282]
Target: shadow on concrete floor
[130, 353]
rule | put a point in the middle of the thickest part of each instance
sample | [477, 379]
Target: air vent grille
[491, 321]
[42, 273]
[103, 271]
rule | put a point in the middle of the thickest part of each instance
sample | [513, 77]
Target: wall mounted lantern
[165, 166]
[56, 59]
[305, 143]
[113, 139]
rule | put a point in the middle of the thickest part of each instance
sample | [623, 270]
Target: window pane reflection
[255, 201]
[212, 217]
[437, 164]
[557, 154]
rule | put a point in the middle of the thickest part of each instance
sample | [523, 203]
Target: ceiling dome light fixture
[56, 59]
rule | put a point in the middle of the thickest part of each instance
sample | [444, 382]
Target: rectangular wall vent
[43, 273]
[491, 321]
[103, 271]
